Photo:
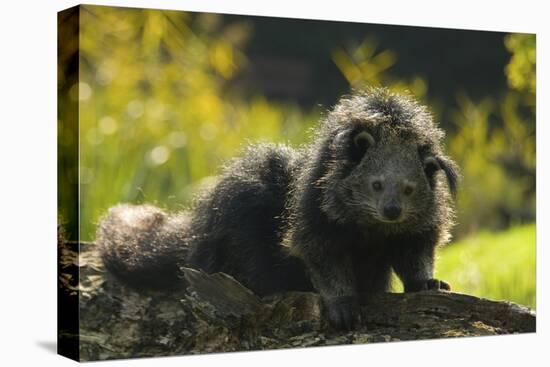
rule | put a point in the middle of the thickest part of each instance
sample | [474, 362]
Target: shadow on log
[215, 313]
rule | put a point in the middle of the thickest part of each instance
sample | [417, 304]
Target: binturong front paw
[343, 312]
[426, 285]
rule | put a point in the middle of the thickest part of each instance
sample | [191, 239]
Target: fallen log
[215, 313]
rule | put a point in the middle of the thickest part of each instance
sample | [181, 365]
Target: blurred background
[165, 97]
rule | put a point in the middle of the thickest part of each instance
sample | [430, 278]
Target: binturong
[371, 197]
[373, 192]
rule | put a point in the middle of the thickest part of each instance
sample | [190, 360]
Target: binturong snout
[392, 210]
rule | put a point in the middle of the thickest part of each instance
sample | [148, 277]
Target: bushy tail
[143, 246]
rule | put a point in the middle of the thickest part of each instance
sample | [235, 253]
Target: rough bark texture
[215, 313]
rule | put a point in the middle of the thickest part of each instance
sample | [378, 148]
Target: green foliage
[363, 66]
[157, 116]
[497, 163]
[494, 265]
[521, 69]
[495, 148]
[498, 266]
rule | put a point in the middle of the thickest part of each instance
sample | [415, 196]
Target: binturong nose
[392, 210]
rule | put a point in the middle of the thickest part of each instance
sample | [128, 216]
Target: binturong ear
[433, 164]
[360, 143]
[363, 140]
[354, 143]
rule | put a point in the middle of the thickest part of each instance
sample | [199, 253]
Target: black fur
[280, 219]
[142, 245]
[238, 225]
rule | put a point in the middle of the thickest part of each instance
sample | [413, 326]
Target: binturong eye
[408, 190]
[377, 185]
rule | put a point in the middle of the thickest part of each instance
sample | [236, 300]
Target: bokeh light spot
[108, 125]
[159, 155]
[105, 74]
[80, 91]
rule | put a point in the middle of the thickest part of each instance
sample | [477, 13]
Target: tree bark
[215, 313]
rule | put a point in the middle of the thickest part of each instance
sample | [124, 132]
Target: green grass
[499, 266]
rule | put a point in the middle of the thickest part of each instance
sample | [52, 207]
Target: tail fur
[143, 246]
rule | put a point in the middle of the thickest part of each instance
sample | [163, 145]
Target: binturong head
[386, 168]
[389, 184]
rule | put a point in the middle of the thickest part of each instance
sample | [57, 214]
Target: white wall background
[28, 181]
